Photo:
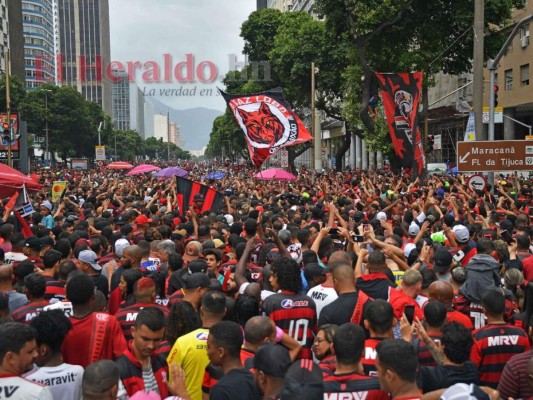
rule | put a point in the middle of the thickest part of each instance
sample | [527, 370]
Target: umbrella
[216, 175]
[275, 174]
[120, 165]
[143, 168]
[172, 171]
[12, 180]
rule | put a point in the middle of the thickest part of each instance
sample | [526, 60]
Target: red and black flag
[401, 95]
[188, 190]
[268, 123]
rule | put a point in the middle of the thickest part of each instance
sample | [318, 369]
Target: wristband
[279, 334]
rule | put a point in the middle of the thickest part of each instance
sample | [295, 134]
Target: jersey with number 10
[296, 315]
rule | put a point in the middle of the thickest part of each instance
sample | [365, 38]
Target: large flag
[267, 122]
[401, 95]
[187, 189]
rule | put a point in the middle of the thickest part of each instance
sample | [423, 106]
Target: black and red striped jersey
[475, 311]
[55, 290]
[176, 297]
[296, 314]
[327, 365]
[368, 359]
[425, 359]
[126, 316]
[494, 345]
[28, 312]
[353, 386]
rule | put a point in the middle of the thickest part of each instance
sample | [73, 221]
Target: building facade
[282, 5]
[513, 79]
[39, 42]
[136, 109]
[84, 49]
[16, 38]
[261, 4]
[121, 101]
[303, 5]
[161, 127]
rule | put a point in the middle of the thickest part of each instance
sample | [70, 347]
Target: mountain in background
[196, 123]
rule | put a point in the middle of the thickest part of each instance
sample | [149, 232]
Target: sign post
[501, 155]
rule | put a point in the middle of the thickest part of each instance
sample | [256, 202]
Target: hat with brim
[89, 257]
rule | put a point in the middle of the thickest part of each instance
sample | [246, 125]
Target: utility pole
[47, 152]
[168, 134]
[479, 43]
[8, 112]
[315, 127]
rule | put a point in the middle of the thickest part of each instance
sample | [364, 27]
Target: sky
[202, 34]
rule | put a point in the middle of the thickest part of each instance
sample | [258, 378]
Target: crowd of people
[338, 285]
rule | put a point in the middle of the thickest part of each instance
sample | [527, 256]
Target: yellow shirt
[190, 352]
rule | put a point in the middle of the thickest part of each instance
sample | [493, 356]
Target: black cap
[221, 218]
[33, 243]
[303, 381]
[121, 220]
[196, 280]
[443, 260]
[273, 359]
[359, 216]
[47, 241]
[197, 266]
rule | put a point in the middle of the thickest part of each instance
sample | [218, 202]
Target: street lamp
[47, 153]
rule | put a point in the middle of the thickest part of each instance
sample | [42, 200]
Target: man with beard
[18, 350]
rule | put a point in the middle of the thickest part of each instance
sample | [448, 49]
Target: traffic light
[496, 88]
[431, 143]
[6, 132]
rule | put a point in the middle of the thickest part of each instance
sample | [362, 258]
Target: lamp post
[47, 153]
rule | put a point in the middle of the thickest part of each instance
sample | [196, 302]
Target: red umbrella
[119, 165]
[12, 180]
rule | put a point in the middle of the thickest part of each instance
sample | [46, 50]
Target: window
[524, 75]
[509, 79]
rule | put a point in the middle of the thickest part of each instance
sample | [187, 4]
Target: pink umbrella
[143, 168]
[119, 165]
[275, 174]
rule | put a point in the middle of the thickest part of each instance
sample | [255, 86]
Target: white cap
[229, 219]
[381, 216]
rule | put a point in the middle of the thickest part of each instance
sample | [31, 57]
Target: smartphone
[333, 231]
[409, 312]
[358, 238]
[506, 236]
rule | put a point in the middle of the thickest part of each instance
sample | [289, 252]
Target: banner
[58, 187]
[186, 191]
[267, 122]
[470, 132]
[401, 95]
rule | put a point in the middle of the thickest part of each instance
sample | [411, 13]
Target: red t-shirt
[78, 344]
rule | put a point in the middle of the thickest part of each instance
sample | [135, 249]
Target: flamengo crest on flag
[400, 94]
[267, 121]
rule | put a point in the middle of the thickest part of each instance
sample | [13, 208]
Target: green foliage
[226, 134]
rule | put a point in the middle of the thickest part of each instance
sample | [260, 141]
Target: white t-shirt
[15, 387]
[64, 381]
[322, 296]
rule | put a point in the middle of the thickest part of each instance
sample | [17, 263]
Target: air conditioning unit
[524, 41]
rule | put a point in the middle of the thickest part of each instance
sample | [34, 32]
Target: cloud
[209, 29]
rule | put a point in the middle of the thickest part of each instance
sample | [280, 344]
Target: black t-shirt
[237, 384]
[340, 310]
[101, 284]
[444, 376]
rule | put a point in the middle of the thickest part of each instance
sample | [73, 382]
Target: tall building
[137, 109]
[84, 47]
[16, 39]
[282, 5]
[303, 5]
[161, 127]
[121, 101]
[261, 4]
[39, 48]
[174, 134]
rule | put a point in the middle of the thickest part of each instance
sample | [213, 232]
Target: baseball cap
[120, 245]
[220, 218]
[359, 215]
[33, 243]
[218, 243]
[272, 359]
[47, 241]
[381, 216]
[229, 219]
[198, 197]
[142, 219]
[414, 229]
[443, 260]
[121, 220]
[47, 204]
[303, 381]
[193, 250]
[461, 233]
[408, 248]
[464, 391]
[197, 266]
[89, 257]
[196, 280]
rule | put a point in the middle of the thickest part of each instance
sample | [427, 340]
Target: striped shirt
[514, 379]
